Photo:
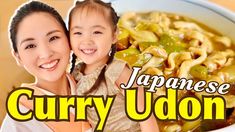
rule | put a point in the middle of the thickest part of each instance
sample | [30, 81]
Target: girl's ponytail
[73, 62]
[111, 56]
[101, 76]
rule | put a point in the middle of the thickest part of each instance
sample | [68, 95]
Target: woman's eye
[53, 38]
[77, 33]
[97, 32]
[30, 46]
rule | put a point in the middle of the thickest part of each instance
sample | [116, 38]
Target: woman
[40, 44]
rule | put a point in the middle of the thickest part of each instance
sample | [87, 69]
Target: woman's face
[43, 47]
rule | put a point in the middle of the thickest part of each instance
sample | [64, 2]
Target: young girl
[40, 44]
[93, 34]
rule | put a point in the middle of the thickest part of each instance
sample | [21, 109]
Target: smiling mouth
[50, 65]
[88, 51]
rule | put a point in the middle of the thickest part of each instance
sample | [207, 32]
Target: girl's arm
[149, 125]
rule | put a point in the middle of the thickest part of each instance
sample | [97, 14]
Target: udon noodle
[176, 46]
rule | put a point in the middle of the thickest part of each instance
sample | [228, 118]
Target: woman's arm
[149, 125]
[86, 127]
[11, 125]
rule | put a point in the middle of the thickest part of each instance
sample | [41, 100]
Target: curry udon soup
[176, 46]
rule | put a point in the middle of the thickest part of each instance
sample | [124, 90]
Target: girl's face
[43, 48]
[91, 36]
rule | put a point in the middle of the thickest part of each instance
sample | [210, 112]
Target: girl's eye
[53, 38]
[77, 33]
[30, 46]
[97, 32]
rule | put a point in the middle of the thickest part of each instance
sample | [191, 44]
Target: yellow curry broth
[175, 46]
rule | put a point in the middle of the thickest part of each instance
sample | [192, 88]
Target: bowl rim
[218, 9]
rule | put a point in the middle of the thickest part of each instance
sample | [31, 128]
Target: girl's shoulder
[115, 69]
[117, 62]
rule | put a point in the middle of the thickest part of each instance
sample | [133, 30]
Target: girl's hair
[113, 18]
[28, 9]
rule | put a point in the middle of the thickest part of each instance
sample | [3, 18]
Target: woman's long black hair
[26, 10]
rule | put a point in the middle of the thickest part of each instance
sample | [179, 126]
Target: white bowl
[207, 13]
